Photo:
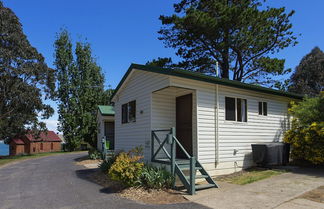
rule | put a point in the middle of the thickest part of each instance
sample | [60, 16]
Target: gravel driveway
[56, 182]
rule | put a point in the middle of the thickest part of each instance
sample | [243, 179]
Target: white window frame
[236, 121]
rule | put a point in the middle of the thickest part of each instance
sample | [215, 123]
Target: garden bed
[138, 194]
[87, 162]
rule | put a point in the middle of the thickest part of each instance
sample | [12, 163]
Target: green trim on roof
[205, 78]
[106, 110]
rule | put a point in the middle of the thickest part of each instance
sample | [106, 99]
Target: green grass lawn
[249, 176]
[10, 159]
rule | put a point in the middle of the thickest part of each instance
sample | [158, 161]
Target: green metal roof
[205, 78]
[106, 110]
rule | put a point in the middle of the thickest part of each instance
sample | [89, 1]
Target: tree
[80, 91]
[308, 77]
[306, 135]
[24, 80]
[165, 62]
[238, 34]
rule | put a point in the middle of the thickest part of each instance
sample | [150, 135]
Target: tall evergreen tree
[241, 35]
[308, 77]
[24, 80]
[80, 90]
[165, 62]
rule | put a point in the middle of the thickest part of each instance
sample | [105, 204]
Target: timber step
[198, 177]
[205, 186]
[187, 167]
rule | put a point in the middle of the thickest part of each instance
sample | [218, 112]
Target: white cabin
[216, 120]
[106, 126]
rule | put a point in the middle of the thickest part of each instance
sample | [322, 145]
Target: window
[52, 146]
[129, 112]
[124, 113]
[41, 146]
[263, 108]
[235, 109]
[229, 108]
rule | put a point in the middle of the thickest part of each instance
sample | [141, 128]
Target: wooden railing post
[173, 154]
[152, 146]
[192, 176]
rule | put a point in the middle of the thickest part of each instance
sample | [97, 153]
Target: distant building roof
[18, 141]
[106, 110]
[49, 136]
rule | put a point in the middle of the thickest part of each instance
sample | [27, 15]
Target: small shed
[106, 126]
[31, 143]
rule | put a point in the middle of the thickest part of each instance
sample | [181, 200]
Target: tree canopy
[308, 77]
[80, 91]
[25, 80]
[241, 35]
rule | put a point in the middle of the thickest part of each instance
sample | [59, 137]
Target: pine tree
[308, 77]
[241, 35]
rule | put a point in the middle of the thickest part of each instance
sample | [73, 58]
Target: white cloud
[51, 124]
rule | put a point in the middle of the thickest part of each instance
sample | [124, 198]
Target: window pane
[260, 108]
[244, 110]
[229, 108]
[265, 108]
[241, 110]
[132, 111]
[124, 113]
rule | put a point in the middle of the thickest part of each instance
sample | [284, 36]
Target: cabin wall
[258, 128]
[218, 155]
[139, 87]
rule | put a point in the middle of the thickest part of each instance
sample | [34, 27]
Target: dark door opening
[110, 134]
[184, 124]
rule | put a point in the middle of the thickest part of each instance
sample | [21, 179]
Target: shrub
[127, 167]
[94, 154]
[156, 178]
[106, 164]
[306, 135]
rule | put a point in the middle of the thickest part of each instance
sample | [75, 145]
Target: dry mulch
[316, 195]
[138, 194]
[85, 160]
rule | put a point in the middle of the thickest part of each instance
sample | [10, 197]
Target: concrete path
[275, 192]
[57, 182]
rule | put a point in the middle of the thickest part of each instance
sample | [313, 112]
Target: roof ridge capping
[206, 78]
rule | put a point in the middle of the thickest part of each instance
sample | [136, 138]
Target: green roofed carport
[106, 110]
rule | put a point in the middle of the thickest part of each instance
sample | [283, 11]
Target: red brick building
[29, 144]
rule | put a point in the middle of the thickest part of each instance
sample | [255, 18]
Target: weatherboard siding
[139, 87]
[233, 135]
[257, 129]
